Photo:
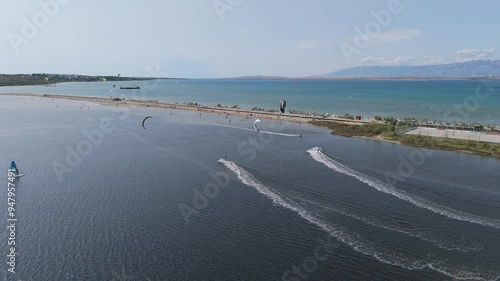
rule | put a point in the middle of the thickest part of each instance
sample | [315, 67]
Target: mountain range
[469, 69]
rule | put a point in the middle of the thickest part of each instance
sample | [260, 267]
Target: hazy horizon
[313, 76]
[221, 38]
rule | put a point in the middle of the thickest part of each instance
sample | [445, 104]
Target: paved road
[455, 134]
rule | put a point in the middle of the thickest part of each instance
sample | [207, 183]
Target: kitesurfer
[145, 121]
[255, 125]
[282, 106]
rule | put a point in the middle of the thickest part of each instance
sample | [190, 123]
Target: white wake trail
[353, 240]
[253, 130]
[446, 245]
[279, 134]
[317, 155]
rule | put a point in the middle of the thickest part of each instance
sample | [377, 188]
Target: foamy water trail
[355, 241]
[446, 245]
[317, 155]
[231, 127]
[279, 134]
[463, 187]
[253, 130]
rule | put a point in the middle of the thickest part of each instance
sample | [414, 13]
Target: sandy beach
[248, 113]
[211, 109]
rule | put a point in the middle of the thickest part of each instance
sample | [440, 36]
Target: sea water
[209, 198]
[453, 101]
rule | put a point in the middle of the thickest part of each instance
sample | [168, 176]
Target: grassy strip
[388, 132]
[39, 79]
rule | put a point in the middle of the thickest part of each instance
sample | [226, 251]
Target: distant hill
[44, 79]
[475, 68]
[257, 77]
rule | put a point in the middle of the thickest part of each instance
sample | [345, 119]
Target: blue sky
[227, 38]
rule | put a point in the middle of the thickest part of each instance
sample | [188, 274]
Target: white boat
[13, 169]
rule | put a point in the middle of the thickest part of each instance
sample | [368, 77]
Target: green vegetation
[347, 116]
[387, 131]
[35, 79]
[362, 130]
[44, 79]
[319, 114]
[482, 148]
[262, 109]
[391, 121]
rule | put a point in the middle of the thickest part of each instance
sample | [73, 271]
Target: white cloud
[383, 61]
[473, 54]
[460, 56]
[396, 35]
[313, 44]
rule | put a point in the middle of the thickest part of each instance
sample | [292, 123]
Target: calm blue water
[273, 210]
[419, 99]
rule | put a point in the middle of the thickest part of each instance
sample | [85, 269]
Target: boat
[13, 169]
[130, 87]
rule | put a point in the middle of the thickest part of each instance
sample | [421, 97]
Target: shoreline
[14, 80]
[242, 112]
[388, 133]
[407, 140]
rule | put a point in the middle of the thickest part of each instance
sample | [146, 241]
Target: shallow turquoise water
[455, 101]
